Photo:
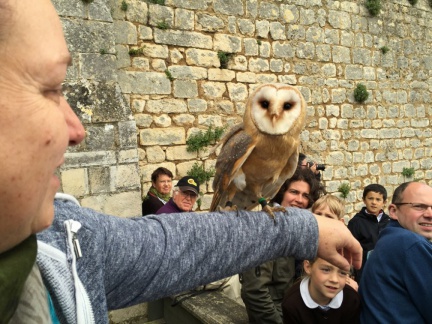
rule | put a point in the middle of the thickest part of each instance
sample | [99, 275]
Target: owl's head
[276, 108]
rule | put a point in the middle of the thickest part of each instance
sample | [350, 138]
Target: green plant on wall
[159, 2]
[344, 189]
[259, 42]
[136, 51]
[87, 1]
[373, 6]
[384, 49]
[162, 25]
[223, 59]
[430, 3]
[360, 93]
[103, 51]
[408, 172]
[169, 75]
[199, 140]
[124, 5]
[198, 172]
[413, 2]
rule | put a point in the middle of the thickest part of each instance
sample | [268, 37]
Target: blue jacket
[395, 285]
[126, 261]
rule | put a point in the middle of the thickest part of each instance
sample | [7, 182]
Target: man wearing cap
[184, 196]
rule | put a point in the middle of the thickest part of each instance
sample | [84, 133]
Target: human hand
[351, 282]
[337, 245]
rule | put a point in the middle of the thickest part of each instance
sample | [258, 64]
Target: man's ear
[392, 211]
[307, 267]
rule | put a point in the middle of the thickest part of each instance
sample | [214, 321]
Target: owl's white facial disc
[275, 109]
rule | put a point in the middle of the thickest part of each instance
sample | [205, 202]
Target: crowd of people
[61, 263]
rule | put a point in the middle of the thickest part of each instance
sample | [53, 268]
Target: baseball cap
[188, 183]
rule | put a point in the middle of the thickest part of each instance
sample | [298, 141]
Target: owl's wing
[235, 150]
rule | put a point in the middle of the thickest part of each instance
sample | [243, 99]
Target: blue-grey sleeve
[146, 258]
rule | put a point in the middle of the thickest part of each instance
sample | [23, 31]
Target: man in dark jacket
[184, 197]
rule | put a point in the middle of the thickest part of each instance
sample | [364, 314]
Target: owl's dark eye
[287, 106]
[265, 104]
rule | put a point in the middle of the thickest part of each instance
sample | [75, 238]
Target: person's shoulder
[292, 292]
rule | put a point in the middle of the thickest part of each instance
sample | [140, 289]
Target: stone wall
[138, 117]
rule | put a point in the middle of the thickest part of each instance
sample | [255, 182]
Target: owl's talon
[269, 210]
[227, 208]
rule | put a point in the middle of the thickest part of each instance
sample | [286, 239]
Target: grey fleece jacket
[126, 261]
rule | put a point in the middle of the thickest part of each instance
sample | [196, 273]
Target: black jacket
[366, 229]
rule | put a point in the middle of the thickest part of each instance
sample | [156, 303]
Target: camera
[319, 167]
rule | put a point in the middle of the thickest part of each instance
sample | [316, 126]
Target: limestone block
[162, 136]
[176, 56]
[183, 38]
[179, 152]
[288, 79]
[258, 65]
[213, 90]
[166, 106]
[210, 120]
[277, 31]
[144, 82]
[127, 134]
[251, 46]
[145, 33]
[155, 51]
[225, 107]
[315, 34]
[122, 56]
[124, 176]
[239, 63]
[282, 50]
[162, 120]
[128, 156]
[141, 63]
[184, 19]
[289, 13]
[295, 32]
[137, 11]
[341, 54]
[147, 170]
[80, 35]
[185, 89]
[143, 120]
[251, 8]
[237, 91]
[206, 201]
[262, 28]
[307, 17]
[227, 43]
[220, 75]
[305, 50]
[339, 19]
[99, 178]
[70, 9]
[229, 7]
[158, 65]
[100, 137]
[353, 72]
[191, 4]
[136, 314]
[125, 32]
[202, 58]
[75, 182]
[124, 204]
[266, 78]
[246, 27]
[331, 36]
[264, 49]
[184, 167]
[85, 159]
[158, 14]
[209, 23]
[98, 67]
[232, 25]
[197, 105]
[155, 154]
[188, 72]
[99, 10]
[389, 133]
[268, 11]
[183, 120]
[246, 77]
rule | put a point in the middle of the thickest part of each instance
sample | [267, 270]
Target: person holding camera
[304, 163]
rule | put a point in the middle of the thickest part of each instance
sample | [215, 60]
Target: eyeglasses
[190, 194]
[415, 206]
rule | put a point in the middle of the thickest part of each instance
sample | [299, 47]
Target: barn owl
[260, 153]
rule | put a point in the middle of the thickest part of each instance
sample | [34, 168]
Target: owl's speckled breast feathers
[259, 154]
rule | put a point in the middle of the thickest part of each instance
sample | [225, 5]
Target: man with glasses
[184, 197]
[396, 281]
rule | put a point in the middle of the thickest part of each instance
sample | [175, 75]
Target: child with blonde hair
[326, 293]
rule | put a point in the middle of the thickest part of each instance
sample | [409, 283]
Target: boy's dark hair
[397, 194]
[301, 157]
[375, 187]
[306, 175]
[159, 171]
